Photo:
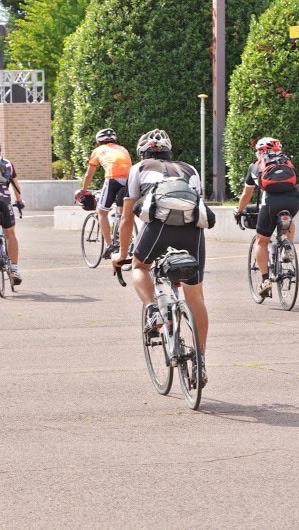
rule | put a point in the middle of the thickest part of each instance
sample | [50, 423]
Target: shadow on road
[277, 414]
[45, 297]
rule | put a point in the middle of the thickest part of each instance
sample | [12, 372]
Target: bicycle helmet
[268, 144]
[156, 140]
[105, 136]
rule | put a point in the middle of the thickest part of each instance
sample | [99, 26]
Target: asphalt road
[87, 442]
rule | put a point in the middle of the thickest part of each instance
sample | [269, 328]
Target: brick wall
[25, 137]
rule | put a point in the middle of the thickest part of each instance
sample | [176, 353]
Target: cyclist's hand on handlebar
[20, 204]
[115, 258]
[237, 215]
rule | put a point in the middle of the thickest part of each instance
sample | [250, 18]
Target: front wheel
[287, 283]
[189, 366]
[160, 372]
[254, 275]
[92, 241]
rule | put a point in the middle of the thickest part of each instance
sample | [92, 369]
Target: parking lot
[87, 442]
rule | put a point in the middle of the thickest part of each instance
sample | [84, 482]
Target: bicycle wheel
[189, 366]
[254, 275]
[8, 267]
[2, 283]
[92, 241]
[287, 283]
[156, 360]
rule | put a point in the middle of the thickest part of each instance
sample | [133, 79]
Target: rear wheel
[92, 241]
[156, 359]
[254, 275]
[189, 366]
[287, 283]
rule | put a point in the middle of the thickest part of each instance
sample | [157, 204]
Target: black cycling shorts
[154, 238]
[6, 213]
[275, 203]
[112, 191]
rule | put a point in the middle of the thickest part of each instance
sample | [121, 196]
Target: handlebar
[16, 205]
[118, 270]
[239, 223]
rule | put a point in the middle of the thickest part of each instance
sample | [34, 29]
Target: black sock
[265, 276]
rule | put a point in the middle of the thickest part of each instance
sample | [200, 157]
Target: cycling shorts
[267, 218]
[112, 191]
[154, 238]
[6, 212]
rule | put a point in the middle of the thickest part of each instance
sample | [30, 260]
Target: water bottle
[163, 301]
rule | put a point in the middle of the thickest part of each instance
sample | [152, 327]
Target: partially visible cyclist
[154, 149]
[116, 161]
[271, 204]
[8, 176]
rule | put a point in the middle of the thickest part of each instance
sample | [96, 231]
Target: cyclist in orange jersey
[116, 162]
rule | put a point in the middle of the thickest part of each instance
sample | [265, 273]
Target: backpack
[172, 200]
[277, 174]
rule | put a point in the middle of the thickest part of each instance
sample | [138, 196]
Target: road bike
[176, 343]
[5, 263]
[283, 261]
[92, 240]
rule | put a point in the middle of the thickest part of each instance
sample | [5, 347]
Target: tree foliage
[37, 41]
[264, 92]
[139, 65]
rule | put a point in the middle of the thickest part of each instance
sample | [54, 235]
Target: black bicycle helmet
[156, 140]
[105, 136]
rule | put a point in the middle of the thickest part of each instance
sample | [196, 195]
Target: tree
[264, 93]
[37, 42]
[140, 64]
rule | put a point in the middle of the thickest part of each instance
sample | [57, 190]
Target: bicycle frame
[169, 313]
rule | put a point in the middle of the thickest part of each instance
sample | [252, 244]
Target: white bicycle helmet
[106, 135]
[157, 140]
[268, 144]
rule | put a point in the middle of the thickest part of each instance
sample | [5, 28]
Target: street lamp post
[202, 97]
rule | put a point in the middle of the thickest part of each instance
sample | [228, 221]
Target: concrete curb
[72, 217]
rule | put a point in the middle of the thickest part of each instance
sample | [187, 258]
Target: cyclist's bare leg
[143, 282]
[262, 254]
[12, 244]
[195, 298]
[105, 225]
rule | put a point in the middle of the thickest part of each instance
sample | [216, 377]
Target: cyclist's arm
[17, 189]
[126, 227]
[88, 176]
[245, 197]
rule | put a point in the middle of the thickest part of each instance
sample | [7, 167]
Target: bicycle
[92, 240]
[283, 261]
[5, 263]
[176, 343]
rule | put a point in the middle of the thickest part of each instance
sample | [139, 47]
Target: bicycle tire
[2, 283]
[254, 275]
[156, 360]
[288, 277]
[131, 246]
[92, 241]
[8, 268]
[189, 365]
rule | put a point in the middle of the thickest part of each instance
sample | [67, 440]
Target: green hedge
[140, 64]
[264, 91]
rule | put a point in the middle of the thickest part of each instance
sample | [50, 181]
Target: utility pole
[202, 97]
[218, 99]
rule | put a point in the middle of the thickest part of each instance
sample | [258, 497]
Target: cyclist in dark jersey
[155, 236]
[8, 176]
[271, 205]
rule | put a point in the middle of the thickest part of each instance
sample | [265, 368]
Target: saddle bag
[179, 266]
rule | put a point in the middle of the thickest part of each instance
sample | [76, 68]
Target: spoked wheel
[254, 275]
[156, 360]
[92, 241]
[2, 283]
[189, 366]
[11, 281]
[287, 283]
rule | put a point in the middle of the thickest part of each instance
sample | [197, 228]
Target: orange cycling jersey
[114, 158]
